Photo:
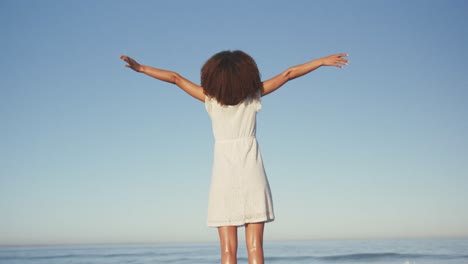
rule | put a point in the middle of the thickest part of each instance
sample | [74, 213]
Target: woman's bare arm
[276, 82]
[168, 76]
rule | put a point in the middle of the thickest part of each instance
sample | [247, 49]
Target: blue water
[402, 251]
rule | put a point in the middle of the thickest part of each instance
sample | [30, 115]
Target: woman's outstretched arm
[168, 76]
[276, 82]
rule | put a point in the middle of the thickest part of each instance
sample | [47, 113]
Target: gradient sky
[92, 152]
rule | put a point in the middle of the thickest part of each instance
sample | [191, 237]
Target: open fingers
[127, 59]
[131, 63]
[340, 55]
[340, 61]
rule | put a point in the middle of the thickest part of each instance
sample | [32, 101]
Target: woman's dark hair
[231, 77]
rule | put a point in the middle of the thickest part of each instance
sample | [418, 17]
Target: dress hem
[241, 223]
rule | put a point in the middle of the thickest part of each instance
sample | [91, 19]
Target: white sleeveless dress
[239, 192]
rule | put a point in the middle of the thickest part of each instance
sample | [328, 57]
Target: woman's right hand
[336, 60]
[132, 64]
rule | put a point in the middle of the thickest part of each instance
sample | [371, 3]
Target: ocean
[379, 251]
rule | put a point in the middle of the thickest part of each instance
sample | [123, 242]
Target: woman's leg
[254, 240]
[228, 242]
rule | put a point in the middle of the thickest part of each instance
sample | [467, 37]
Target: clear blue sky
[91, 152]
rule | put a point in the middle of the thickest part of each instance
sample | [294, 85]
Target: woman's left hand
[132, 64]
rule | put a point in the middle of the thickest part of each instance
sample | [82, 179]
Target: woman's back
[233, 121]
[239, 193]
